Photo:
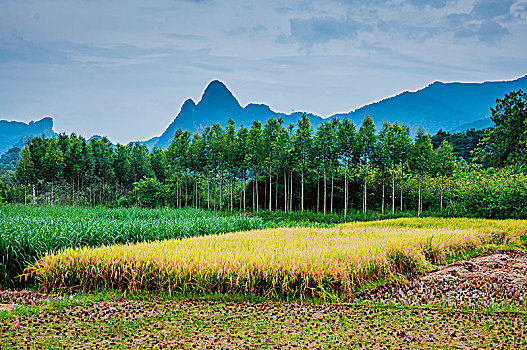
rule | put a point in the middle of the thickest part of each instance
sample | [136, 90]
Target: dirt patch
[156, 324]
[12, 298]
[497, 278]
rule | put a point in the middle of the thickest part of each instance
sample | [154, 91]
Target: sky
[124, 68]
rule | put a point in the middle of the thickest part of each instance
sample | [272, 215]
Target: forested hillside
[338, 167]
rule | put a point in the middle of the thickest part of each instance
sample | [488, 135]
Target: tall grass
[292, 262]
[26, 233]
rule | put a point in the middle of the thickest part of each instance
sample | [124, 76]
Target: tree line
[337, 167]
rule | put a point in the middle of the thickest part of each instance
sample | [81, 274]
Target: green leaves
[507, 141]
[28, 232]
[149, 193]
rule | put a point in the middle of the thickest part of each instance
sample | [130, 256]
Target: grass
[26, 233]
[113, 322]
[283, 262]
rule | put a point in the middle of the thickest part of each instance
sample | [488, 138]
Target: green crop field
[26, 233]
[228, 290]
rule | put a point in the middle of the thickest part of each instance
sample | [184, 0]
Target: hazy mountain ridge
[218, 105]
[447, 106]
[14, 133]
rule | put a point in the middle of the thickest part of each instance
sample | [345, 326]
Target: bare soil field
[454, 317]
[494, 278]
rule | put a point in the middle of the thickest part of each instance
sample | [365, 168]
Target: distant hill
[448, 106]
[13, 133]
[217, 105]
[453, 107]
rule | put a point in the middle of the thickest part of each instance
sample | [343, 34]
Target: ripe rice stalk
[297, 262]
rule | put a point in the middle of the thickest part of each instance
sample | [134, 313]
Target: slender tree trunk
[232, 195]
[254, 196]
[346, 191]
[208, 192]
[52, 194]
[214, 195]
[302, 201]
[401, 197]
[325, 191]
[186, 191]
[441, 204]
[364, 199]
[393, 191]
[276, 193]
[257, 204]
[270, 190]
[221, 191]
[285, 191]
[178, 200]
[291, 190]
[419, 199]
[240, 203]
[382, 205]
[332, 191]
[318, 192]
[244, 191]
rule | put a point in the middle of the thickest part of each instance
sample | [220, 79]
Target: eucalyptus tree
[230, 155]
[384, 159]
[207, 158]
[346, 142]
[37, 148]
[53, 162]
[270, 133]
[302, 141]
[123, 168]
[334, 157]
[445, 165]
[281, 154]
[177, 154]
[421, 162]
[78, 163]
[140, 161]
[197, 163]
[241, 156]
[25, 171]
[102, 155]
[218, 157]
[366, 140]
[255, 157]
[326, 151]
[289, 161]
[400, 154]
[158, 161]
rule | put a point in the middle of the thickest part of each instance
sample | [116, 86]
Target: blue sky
[124, 68]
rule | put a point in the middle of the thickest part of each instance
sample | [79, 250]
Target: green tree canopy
[506, 142]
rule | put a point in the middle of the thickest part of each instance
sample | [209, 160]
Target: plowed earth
[158, 324]
[498, 278]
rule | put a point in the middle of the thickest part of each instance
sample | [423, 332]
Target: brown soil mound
[14, 298]
[497, 278]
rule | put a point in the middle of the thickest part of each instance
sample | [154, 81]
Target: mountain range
[447, 106]
[13, 133]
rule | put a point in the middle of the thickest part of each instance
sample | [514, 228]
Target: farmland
[26, 233]
[130, 284]
[172, 324]
[280, 262]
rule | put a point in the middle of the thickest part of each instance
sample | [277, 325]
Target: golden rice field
[281, 262]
